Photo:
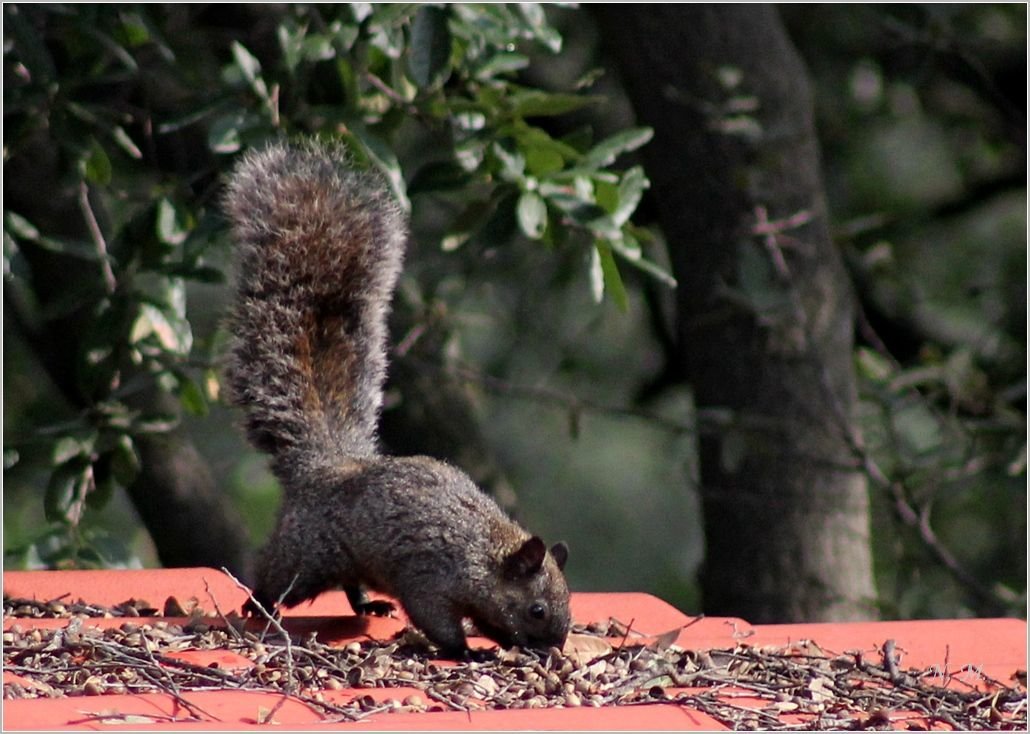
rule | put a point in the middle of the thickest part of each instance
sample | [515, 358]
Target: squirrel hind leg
[439, 622]
[357, 595]
[260, 605]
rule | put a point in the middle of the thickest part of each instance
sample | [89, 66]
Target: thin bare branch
[110, 283]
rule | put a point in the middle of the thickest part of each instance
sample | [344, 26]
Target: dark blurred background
[569, 410]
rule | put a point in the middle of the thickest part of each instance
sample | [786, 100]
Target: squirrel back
[320, 248]
[309, 328]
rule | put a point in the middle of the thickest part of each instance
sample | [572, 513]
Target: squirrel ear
[560, 551]
[527, 560]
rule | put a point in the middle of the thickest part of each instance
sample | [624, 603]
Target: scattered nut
[85, 660]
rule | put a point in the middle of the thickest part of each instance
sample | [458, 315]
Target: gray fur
[317, 244]
[320, 248]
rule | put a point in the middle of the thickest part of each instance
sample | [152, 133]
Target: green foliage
[141, 108]
[121, 120]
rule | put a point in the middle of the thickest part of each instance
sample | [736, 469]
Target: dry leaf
[486, 684]
[819, 691]
[584, 648]
[173, 608]
[807, 647]
[128, 719]
[665, 640]
[662, 681]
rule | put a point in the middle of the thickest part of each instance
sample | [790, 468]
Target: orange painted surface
[237, 710]
[963, 649]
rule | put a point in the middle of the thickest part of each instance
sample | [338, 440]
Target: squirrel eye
[538, 611]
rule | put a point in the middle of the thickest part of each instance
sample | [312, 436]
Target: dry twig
[743, 687]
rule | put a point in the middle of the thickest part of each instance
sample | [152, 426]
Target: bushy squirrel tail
[319, 249]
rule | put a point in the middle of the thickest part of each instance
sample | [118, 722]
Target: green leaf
[224, 134]
[604, 228]
[344, 36]
[604, 276]
[536, 23]
[596, 275]
[607, 196]
[67, 448]
[291, 42]
[66, 492]
[631, 189]
[360, 11]
[572, 200]
[513, 165]
[387, 38]
[125, 462]
[199, 274]
[116, 416]
[534, 103]
[530, 137]
[100, 345]
[133, 30]
[471, 219]
[470, 154]
[589, 77]
[125, 142]
[192, 117]
[604, 153]
[29, 45]
[533, 14]
[502, 63]
[438, 176]
[103, 483]
[385, 159]
[251, 69]
[318, 48]
[155, 424]
[541, 161]
[170, 329]
[191, 396]
[531, 212]
[466, 120]
[627, 247]
[96, 165]
[430, 53]
[872, 366]
[20, 226]
[169, 226]
[393, 14]
[83, 113]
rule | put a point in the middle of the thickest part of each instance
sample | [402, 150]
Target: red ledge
[993, 648]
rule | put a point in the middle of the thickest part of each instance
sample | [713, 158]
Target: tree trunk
[764, 306]
[189, 517]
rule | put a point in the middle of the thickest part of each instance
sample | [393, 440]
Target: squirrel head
[530, 608]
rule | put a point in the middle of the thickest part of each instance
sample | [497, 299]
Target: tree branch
[917, 518]
[110, 284]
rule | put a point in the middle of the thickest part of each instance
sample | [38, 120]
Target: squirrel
[319, 247]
